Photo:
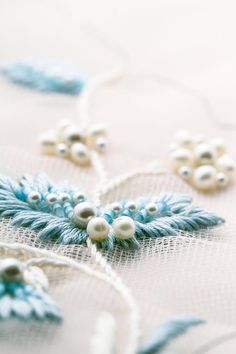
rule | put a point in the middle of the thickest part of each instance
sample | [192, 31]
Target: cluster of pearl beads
[85, 216]
[204, 164]
[71, 142]
[53, 197]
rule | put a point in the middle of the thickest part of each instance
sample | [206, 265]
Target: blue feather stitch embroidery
[22, 295]
[49, 209]
[44, 77]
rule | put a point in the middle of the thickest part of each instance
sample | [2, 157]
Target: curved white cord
[127, 295]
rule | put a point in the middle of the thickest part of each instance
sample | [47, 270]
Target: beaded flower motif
[72, 142]
[204, 164]
[23, 292]
[44, 77]
[62, 213]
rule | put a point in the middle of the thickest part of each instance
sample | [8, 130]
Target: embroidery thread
[23, 292]
[62, 213]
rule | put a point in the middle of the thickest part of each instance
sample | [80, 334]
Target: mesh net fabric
[191, 273]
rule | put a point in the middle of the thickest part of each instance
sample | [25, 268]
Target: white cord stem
[127, 295]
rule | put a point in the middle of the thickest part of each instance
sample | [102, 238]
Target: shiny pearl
[48, 143]
[173, 147]
[98, 229]
[222, 179]
[79, 197]
[62, 150]
[124, 227]
[51, 198]
[204, 177]
[73, 134]
[185, 172]
[151, 209]
[199, 139]
[11, 270]
[82, 213]
[80, 154]
[34, 197]
[205, 154]
[101, 144]
[219, 145]
[116, 207]
[184, 138]
[63, 197]
[181, 157]
[131, 206]
[227, 165]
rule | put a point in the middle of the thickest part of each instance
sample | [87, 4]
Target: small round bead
[185, 172]
[184, 138]
[151, 208]
[34, 197]
[222, 179]
[116, 207]
[51, 198]
[79, 197]
[227, 165]
[124, 227]
[82, 213]
[62, 150]
[98, 229]
[63, 197]
[131, 206]
[73, 134]
[80, 154]
[219, 145]
[205, 154]
[101, 144]
[48, 143]
[11, 270]
[181, 157]
[204, 177]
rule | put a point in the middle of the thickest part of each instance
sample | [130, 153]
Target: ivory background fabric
[191, 42]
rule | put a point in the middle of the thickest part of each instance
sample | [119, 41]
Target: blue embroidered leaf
[168, 331]
[36, 202]
[42, 77]
[24, 301]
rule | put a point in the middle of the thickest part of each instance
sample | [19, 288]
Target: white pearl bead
[173, 147]
[82, 213]
[73, 134]
[98, 229]
[151, 209]
[219, 145]
[48, 143]
[62, 150]
[11, 270]
[222, 179]
[116, 207]
[80, 154]
[204, 177]
[199, 139]
[101, 144]
[131, 206]
[63, 197]
[227, 165]
[184, 138]
[181, 157]
[79, 197]
[124, 227]
[51, 198]
[204, 154]
[185, 172]
[34, 197]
